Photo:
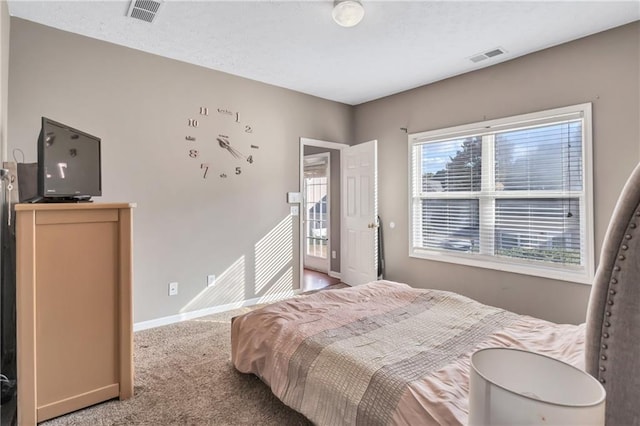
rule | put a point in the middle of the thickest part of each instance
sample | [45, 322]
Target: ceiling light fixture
[347, 13]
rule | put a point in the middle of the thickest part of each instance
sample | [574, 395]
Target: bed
[386, 353]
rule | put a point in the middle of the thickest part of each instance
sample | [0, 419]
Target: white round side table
[516, 387]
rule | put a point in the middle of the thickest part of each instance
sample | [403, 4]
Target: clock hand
[237, 154]
[226, 145]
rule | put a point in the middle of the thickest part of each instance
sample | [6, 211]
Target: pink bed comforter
[384, 353]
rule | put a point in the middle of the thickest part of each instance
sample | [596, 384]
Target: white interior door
[359, 242]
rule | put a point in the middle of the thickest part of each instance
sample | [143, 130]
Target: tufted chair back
[612, 348]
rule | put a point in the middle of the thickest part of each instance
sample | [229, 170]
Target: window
[512, 194]
[316, 216]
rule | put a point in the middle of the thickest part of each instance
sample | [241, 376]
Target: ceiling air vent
[487, 55]
[144, 10]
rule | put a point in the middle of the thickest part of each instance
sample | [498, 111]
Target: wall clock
[220, 141]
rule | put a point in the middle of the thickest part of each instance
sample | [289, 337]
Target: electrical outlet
[211, 280]
[173, 289]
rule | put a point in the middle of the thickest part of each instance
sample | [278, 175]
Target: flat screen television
[68, 164]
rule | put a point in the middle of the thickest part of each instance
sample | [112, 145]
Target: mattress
[384, 353]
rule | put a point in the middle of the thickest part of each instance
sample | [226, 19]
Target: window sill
[576, 275]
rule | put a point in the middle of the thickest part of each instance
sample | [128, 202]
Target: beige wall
[4, 76]
[185, 226]
[602, 69]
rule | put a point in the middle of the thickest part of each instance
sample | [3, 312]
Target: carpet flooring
[184, 376]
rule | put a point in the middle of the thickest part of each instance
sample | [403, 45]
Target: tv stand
[73, 309]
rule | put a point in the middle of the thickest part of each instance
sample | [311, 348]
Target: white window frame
[580, 274]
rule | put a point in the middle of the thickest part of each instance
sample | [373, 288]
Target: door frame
[301, 240]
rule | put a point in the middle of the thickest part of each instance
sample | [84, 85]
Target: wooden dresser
[74, 307]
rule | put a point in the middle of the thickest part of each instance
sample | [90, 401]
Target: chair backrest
[612, 347]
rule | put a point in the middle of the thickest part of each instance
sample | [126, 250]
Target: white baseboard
[172, 319]
[334, 274]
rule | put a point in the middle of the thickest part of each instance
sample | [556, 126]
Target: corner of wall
[4, 76]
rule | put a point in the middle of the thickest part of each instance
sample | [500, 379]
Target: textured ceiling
[399, 45]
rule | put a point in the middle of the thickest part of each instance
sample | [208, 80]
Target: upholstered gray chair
[613, 319]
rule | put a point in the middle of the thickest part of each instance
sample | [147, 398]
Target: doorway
[351, 234]
[315, 211]
[320, 213]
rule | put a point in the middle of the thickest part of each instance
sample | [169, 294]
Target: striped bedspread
[383, 353]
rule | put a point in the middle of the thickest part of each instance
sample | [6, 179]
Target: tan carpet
[184, 376]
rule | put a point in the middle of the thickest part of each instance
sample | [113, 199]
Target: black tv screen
[68, 163]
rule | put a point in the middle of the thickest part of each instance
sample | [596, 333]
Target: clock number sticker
[205, 166]
[194, 153]
[193, 122]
